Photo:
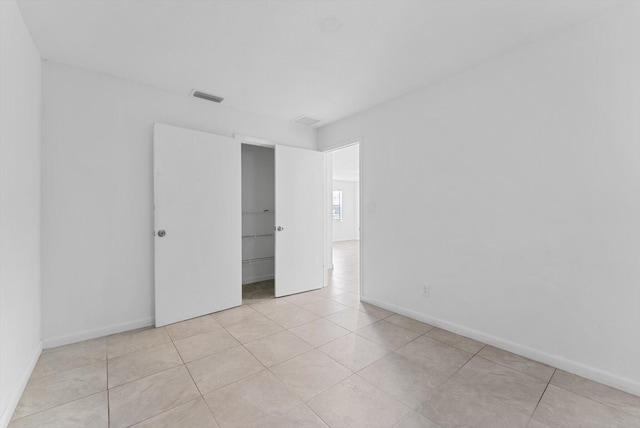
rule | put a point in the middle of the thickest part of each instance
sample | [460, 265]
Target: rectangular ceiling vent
[207, 97]
[306, 120]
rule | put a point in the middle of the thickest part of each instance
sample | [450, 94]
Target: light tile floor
[311, 360]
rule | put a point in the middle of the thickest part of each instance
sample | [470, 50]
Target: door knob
[161, 233]
[280, 228]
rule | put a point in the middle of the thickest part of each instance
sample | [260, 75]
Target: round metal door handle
[161, 233]
[280, 229]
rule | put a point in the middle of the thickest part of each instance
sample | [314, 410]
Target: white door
[299, 220]
[198, 250]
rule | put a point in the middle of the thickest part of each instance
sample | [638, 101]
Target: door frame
[329, 231]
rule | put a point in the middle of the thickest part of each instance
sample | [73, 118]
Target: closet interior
[258, 223]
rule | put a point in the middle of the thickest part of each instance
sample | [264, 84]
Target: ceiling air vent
[306, 120]
[207, 97]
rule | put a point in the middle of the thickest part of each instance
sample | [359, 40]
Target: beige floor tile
[356, 403]
[137, 340]
[192, 327]
[292, 317]
[255, 329]
[347, 299]
[250, 401]
[56, 360]
[374, 310]
[88, 412]
[352, 319]
[193, 414]
[411, 324]
[328, 292]
[407, 382]
[387, 334]
[202, 345]
[50, 391]
[456, 340]
[415, 420]
[303, 299]
[484, 394]
[350, 286]
[319, 332]
[224, 368]
[516, 362]
[309, 374]
[277, 348]
[136, 365]
[324, 307]
[273, 306]
[560, 408]
[434, 356]
[236, 315]
[354, 352]
[141, 399]
[298, 416]
[598, 392]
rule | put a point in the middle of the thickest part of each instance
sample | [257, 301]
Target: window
[336, 208]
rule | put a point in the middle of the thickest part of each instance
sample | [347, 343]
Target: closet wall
[258, 213]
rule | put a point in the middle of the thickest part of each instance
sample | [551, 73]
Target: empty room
[319, 213]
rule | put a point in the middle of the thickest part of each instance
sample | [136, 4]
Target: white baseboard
[574, 367]
[92, 334]
[17, 394]
[257, 278]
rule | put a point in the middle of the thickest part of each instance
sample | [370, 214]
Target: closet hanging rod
[258, 212]
[257, 260]
[258, 236]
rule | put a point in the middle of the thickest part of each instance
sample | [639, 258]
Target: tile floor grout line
[541, 396]
[59, 405]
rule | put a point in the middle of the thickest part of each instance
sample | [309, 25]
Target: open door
[299, 220]
[198, 251]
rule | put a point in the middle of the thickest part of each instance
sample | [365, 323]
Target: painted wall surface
[518, 183]
[97, 193]
[20, 192]
[348, 228]
[258, 212]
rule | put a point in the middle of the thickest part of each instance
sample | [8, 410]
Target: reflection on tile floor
[317, 359]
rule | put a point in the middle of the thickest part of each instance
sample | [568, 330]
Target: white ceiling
[326, 59]
[346, 163]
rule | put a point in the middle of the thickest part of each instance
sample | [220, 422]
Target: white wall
[347, 229]
[97, 193]
[516, 197]
[20, 106]
[258, 195]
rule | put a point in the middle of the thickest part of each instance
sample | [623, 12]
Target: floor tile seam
[593, 399]
[61, 404]
[513, 368]
[452, 345]
[313, 411]
[466, 362]
[168, 410]
[144, 350]
[324, 390]
[201, 394]
[67, 370]
[540, 399]
[283, 361]
[145, 377]
[140, 350]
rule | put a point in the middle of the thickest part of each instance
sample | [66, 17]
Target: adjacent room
[358, 213]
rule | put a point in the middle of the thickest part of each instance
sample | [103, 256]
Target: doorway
[258, 223]
[344, 233]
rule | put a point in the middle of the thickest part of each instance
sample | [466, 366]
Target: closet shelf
[257, 260]
[258, 236]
